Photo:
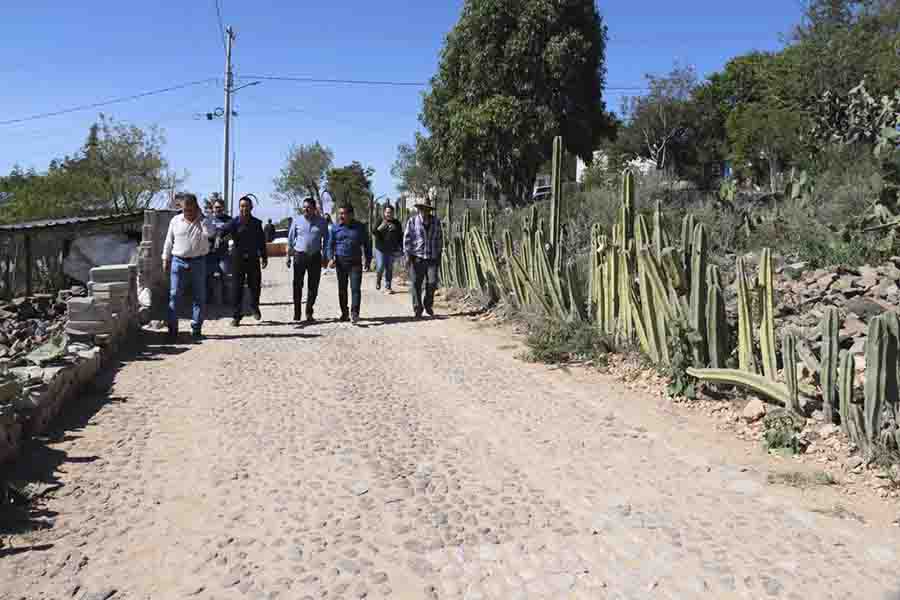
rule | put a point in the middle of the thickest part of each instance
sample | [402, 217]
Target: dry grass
[801, 479]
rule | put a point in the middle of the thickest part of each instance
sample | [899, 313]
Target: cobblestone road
[403, 459]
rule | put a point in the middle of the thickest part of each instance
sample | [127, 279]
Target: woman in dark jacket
[388, 242]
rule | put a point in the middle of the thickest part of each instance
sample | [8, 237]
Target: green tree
[411, 167]
[760, 131]
[55, 194]
[125, 164]
[664, 118]
[513, 74]
[303, 174]
[352, 185]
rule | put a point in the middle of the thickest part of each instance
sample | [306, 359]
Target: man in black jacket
[388, 242]
[249, 251]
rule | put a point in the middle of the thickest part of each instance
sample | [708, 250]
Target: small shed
[32, 253]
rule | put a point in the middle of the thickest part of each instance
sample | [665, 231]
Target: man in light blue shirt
[307, 249]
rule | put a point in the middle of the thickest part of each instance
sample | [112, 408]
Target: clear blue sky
[55, 55]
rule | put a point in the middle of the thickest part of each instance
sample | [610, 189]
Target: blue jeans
[349, 272]
[384, 264]
[182, 270]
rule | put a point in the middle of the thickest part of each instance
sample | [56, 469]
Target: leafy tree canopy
[120, 168]
[304, 174]
[513, 74]
[352, 184]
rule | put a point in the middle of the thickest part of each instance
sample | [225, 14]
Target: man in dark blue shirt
[349, 241]
[218, 265]
[249, 250]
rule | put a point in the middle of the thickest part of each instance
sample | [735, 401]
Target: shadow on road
[379, 321]
[35, 474]
[250, 336]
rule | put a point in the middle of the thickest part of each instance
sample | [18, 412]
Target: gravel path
[403, 459]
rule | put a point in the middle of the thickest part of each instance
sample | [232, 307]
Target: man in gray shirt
[307, 245]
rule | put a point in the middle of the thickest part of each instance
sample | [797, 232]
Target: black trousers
[349, 272]
[304, 264]
[246, 270]
[423, 273]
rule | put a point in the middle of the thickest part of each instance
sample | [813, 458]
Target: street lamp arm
[233, 90]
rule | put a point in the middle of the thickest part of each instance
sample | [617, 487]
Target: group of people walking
[196, 249]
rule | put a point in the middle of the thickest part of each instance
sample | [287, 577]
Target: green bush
[552, 341]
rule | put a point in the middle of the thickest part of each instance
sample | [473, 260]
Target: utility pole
[233, 172]
[229, 33]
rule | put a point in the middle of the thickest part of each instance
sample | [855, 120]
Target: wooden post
[27, 265]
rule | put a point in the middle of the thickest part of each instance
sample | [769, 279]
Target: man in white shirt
[184, 256]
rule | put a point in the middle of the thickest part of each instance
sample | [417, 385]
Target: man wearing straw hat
[423, 243]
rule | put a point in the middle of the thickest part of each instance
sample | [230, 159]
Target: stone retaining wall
[120, 298]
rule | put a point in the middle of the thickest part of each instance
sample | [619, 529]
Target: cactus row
[641, 287]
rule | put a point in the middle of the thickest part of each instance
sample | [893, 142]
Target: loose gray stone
[102, 595]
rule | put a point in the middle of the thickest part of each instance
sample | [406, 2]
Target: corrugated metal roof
[70, 221]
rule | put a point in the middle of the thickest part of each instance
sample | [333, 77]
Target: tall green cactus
[699, 293]
[625, 225]
[828, 370]
[687, 240]
[789, 346]
[881, 373]
[659, 235]
[556, 201]
[851, 412]
[651, 328]
[876, 376]
[746, 355]
[717, 334]
[767, 322]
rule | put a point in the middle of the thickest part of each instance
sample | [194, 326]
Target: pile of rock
[859, 294]
[26, 323]
[73, 347]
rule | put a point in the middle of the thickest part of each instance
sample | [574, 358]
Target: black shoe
[309, 318]
[430, 312]
[172, 335]
[297, 318]
[256, 314]
[344, 318]
[418, 314]
[197, 335]
[354, 319]
[377, 285]
[235, 322]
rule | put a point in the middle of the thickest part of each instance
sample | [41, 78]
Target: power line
[387, 83]
[107, 102]
[221, 27]
[342, 81]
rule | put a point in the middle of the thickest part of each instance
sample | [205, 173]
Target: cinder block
[119, 288]
[89, 327]
[111, 273]
[88, 309]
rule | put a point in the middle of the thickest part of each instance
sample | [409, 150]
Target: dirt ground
[411, 459]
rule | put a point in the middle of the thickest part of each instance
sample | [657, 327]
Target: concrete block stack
[153, 284]
[110, 311]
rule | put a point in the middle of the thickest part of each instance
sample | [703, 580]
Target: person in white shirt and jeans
[184, 256]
